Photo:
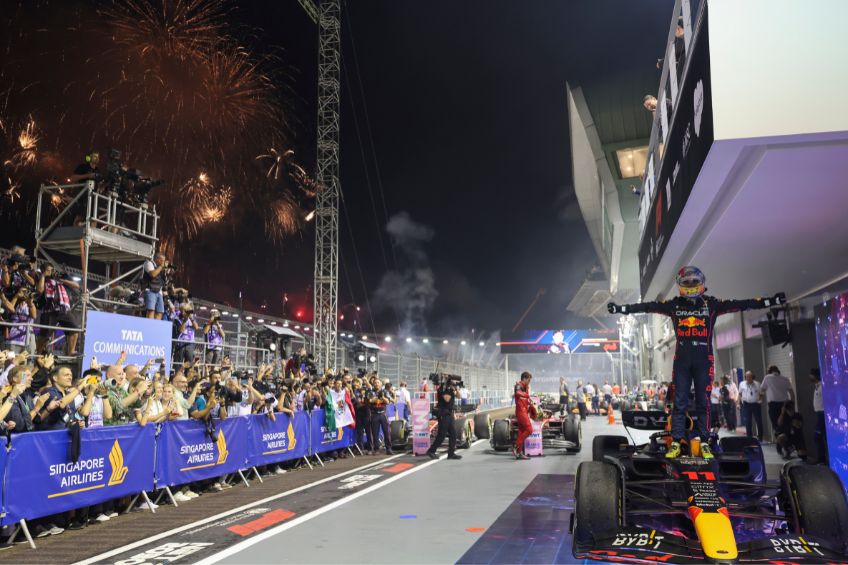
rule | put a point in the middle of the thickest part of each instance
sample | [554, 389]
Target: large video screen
[562, 341]
[832, 336]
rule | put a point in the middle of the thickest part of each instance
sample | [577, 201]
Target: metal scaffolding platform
[77, 220]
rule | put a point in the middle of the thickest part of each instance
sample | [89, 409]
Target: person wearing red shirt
[522, 414]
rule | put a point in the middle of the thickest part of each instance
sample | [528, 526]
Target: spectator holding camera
[57, 291]
[170, 404]
[22, 311]
[153, 282]
[92, 404]
[121, 396]
[207, 406]
[214, 334]
[185, 325]
[16, 271]
[150, 410]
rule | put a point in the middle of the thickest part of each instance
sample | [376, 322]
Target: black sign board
[689, 140]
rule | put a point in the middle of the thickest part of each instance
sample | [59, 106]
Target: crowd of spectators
[37, 394]
[31, 295]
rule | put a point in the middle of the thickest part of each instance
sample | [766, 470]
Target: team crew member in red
[693, 315]
[522, 414]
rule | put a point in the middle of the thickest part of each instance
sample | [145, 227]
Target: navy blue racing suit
[694, 320]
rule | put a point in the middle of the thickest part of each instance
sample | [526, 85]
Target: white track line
[150, 539]
[232, 550]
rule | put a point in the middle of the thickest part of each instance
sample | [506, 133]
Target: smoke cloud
[410, 291]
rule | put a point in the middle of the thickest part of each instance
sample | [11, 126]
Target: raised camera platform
[104, 245]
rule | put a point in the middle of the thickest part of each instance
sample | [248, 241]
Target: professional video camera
[439, 379]
[129, 184]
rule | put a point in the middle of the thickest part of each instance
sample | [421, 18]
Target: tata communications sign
[107, 335]
[689, 140]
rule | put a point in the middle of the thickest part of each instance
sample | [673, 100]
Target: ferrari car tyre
[573, 432]
[599, 504]
[463, 441]
[818, 504]
[398, 433]
[607, 445]
[481, 426]
[501, 440]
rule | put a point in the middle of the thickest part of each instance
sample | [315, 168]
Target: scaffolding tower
[327, 199]
[106, 231]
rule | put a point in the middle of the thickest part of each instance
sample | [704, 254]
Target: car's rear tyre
[607, 445]
[598, 501]
[481, 426]
[501, 440]
[625, 406]
[462, 439]
[817, 501]
[398, 433]
[572, 431]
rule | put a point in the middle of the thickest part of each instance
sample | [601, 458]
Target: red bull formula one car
[633, 505]
[559, 430]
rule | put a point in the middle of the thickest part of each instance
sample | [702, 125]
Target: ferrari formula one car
[559, 431]
[633, 505]
[468, 426]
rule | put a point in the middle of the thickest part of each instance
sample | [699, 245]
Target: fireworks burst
[27, 152]
[283, 163]
[12, 191]
[283, 219]
[160, 29]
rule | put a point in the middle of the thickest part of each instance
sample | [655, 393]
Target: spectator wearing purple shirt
[215, 335]
[184, 327]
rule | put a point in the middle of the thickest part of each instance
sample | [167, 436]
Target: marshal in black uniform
[445, 397]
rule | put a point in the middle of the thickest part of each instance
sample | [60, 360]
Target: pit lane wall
[40, 475]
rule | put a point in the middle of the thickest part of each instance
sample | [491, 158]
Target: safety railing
[102, 210]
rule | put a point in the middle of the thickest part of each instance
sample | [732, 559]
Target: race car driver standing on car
[693, 315]
[445, 399]
[522, 414]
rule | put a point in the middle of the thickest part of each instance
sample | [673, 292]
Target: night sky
[466, 103]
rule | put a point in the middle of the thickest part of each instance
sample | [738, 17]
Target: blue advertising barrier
[3, 458]
[284, 439]
[107, 335]
[185, 452]
[322, 439]
[41, 480]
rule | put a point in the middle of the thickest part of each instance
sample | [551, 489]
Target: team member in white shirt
[777, 390]
[749, 405]
[404, 397]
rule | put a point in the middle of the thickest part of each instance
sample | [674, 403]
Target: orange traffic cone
[610, 415]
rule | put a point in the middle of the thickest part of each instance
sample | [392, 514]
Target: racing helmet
[691, 282]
